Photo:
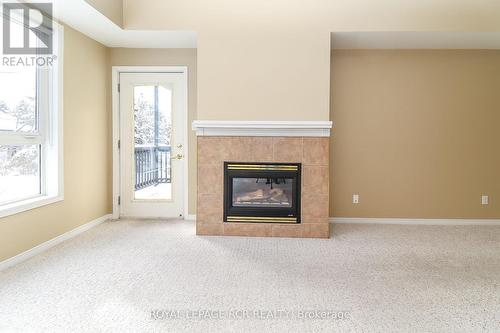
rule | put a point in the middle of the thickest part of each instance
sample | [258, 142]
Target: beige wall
[274, 74]
[269, 60]
[415, 133]
[112, 9]
[169, 57]
[87, 151]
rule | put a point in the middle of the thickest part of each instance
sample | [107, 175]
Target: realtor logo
[27, 28]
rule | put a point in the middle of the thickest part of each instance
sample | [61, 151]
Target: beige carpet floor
[366, 278]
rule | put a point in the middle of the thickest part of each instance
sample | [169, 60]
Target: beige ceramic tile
[281, 230]
[314, 220]
[314, 207]
[315, 179]
[209, 208]
[235, 149]
[316, 230]
[210, 150]
[316, 151]
[210, 179]
[287, 150]
[209, 229]
[262, 149]
[248, 229]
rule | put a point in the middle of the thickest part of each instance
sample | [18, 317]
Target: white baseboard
[364, 220]
[371, 220]
[52, 242]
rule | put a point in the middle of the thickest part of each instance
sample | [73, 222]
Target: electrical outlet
[485, 200]
[355, 198]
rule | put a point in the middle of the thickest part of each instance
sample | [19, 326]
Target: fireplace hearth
[262, 192]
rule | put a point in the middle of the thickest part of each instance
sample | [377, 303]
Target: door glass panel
[19, 172]
[152, 138]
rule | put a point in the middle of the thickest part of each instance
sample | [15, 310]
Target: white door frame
[115, 79]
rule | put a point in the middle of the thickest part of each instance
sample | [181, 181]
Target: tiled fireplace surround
[312, 152]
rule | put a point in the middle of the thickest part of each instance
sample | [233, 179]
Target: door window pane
[19, 172]
[18, 111]
[152, 137]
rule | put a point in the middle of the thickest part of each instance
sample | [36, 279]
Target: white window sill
[22, 206]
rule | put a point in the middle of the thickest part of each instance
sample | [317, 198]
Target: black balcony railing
[152, 166]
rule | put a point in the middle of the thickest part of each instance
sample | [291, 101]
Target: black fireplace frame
[262, 214]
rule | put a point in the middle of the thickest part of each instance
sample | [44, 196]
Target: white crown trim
[262, 128]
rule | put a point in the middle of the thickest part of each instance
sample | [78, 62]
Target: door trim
[115, 79]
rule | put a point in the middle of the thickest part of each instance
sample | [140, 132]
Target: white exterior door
[153, 111]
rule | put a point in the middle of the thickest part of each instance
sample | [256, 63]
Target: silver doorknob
[178, 157]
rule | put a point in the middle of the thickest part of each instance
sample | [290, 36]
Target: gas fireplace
[262, 192]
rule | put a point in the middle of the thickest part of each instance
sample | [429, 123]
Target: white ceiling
[81, 16]
[415, 40]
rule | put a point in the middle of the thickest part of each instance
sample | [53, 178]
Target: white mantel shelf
[262, 128]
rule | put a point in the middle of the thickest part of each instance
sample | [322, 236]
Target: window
[30, 131]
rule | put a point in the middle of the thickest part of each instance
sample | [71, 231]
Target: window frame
[49, 137]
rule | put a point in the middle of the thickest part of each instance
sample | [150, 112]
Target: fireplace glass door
[262, 192]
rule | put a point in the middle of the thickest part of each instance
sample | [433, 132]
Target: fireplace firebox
[262, 192]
